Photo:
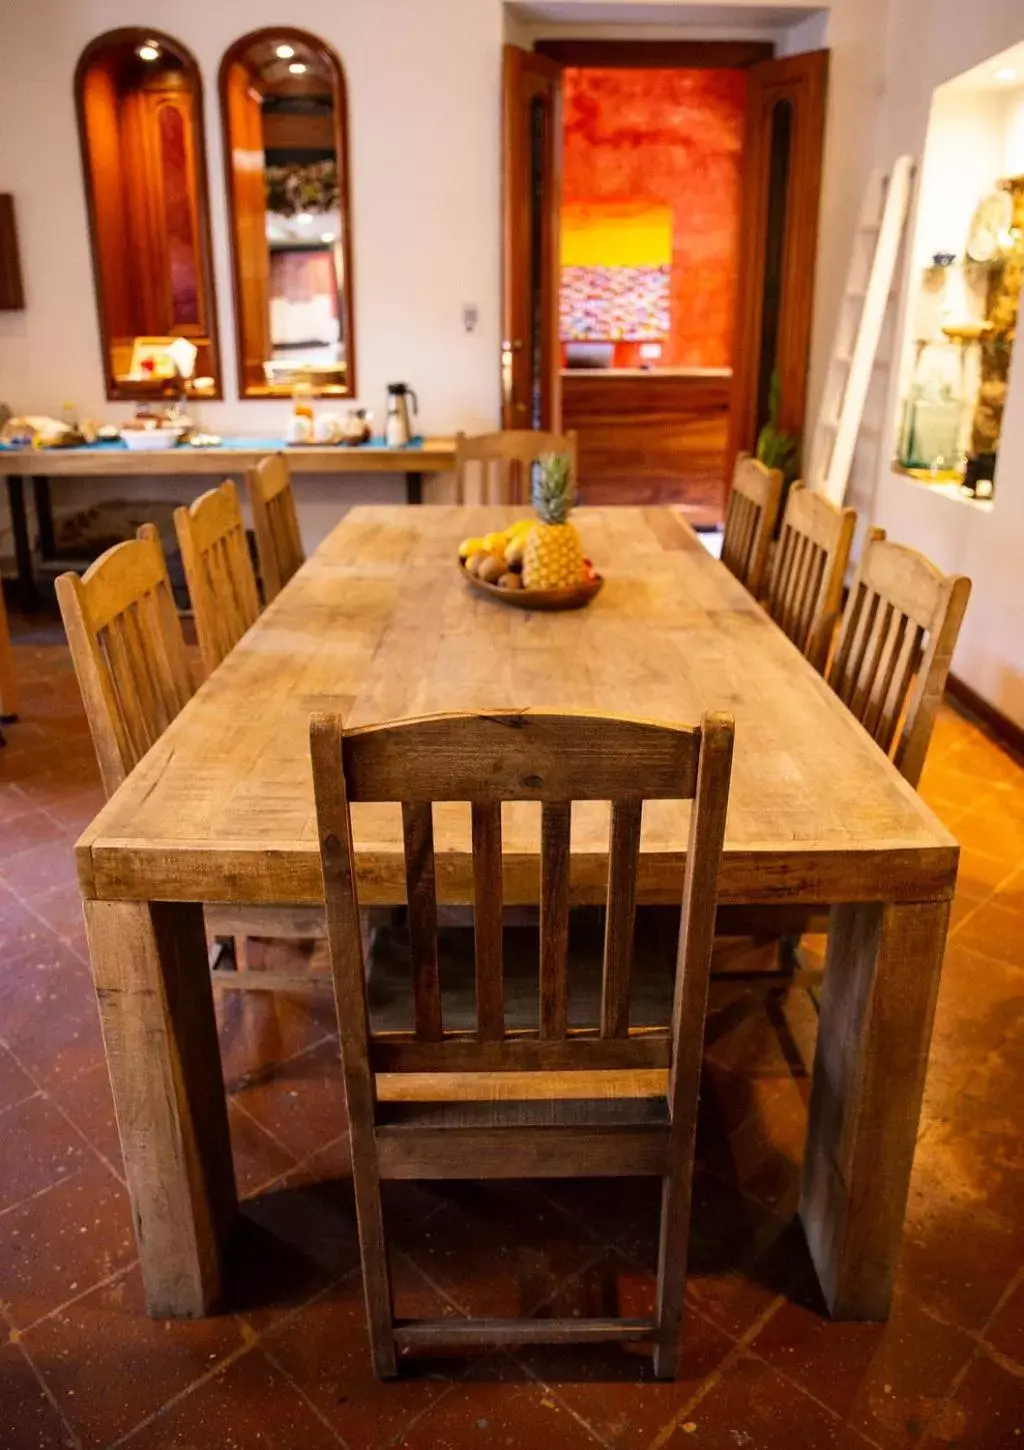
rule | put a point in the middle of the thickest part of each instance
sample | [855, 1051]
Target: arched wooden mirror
[140, 122]
[285, 123]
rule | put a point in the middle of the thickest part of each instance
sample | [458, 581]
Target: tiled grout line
[17, 1103]
[271, 1359]
[927, 1436]
[267, 1132]
[702, 1391]
[810, 1395]
[39, 1192]
[112, 1278]
[73, 1441]
[553, 1389]
[278, 1178]
[48, 1096]
[742, 1350]
[222, 1364]
[985, 902]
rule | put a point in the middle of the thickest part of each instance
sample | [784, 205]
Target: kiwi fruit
[492, 568]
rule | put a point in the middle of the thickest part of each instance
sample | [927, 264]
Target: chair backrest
[275, 523]
[485, 760]
[806, 586]
[128, 651]
[218, 570]
[750, 519]
[896, 643]
[496, 467]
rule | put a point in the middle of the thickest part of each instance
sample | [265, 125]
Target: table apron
[815, 878]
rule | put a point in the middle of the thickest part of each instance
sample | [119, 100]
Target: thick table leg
[149, 963]
[414, 488]
[877, 1006]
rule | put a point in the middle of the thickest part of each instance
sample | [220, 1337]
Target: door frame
[802, 80]
[657, 54]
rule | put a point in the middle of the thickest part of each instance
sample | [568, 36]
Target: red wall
[674, 136]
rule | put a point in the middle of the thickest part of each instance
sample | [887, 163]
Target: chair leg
[676, 1192]
[373, 1251]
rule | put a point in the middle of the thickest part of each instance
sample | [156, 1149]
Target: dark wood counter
[650, 437]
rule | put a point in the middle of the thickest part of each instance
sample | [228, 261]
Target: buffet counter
[232, 456]
[651, 437]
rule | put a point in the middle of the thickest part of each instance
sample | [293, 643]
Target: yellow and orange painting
[616, 266]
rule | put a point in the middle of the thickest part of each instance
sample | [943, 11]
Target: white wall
[424, 127]
[928, 44]
[424, 95]
[424, 92]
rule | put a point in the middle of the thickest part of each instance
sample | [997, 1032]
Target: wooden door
[782, 154]
[532, 180]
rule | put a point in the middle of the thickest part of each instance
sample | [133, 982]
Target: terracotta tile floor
[763, 1368]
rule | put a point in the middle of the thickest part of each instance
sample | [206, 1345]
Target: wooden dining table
[378, 625]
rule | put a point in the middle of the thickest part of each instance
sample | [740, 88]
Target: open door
[782, 156]
[532, 151]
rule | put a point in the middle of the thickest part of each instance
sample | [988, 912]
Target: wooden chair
[128, 651]
[806, 585]
[503, 463]
[218, 571]
[133, 671]
[891, 663]
[576, 1118]
[275, 523]
[750, 520]
[896, 643]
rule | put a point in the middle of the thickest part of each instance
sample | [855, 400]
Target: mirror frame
[235, 52]
[135, 35]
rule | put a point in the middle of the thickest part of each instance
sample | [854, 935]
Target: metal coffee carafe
[398, 429]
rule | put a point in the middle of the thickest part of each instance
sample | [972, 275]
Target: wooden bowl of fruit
[536, 563]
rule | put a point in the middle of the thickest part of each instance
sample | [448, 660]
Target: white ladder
[876, 249]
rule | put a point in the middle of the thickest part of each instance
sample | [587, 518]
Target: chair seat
[493, 1135]
[526, 1113]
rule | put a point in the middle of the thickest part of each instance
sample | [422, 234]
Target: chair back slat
[620, 916]
[555, 840]
[138, 699]
[496, 468]
[218, 571]
[421, 889]
[893, 697]
[275, 523]
[487, 920]
[128, 651]
[895, 647]
[485, 760]
[805, 588]
[520, 755]
[750, 519]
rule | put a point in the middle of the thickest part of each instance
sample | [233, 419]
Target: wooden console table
[431, 455]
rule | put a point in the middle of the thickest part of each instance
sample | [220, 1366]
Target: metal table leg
[22, 546]
[414, 488]
[44, 517]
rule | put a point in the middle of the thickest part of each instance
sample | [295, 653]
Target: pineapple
[553, 558]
